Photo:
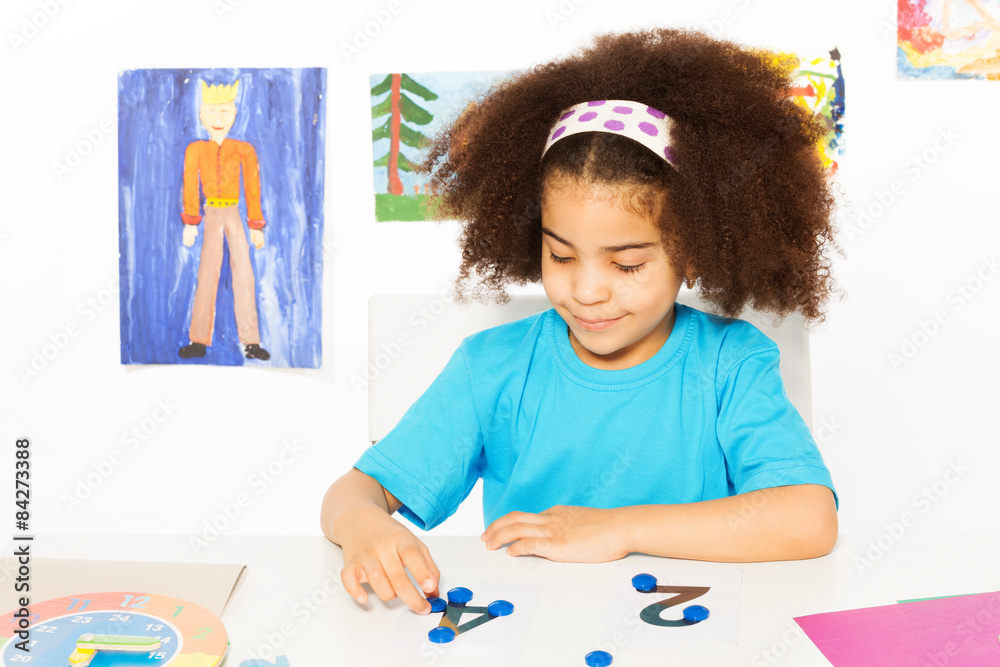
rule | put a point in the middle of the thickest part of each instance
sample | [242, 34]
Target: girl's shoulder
[727, 339]
[494, 356]
[508, 337]
[713, 325]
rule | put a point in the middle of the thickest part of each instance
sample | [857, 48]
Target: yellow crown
[219, 94]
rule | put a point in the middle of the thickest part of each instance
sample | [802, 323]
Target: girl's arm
[781, 523]
[356, 514]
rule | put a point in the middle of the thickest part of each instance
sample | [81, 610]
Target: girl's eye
[557, 259]
[629, 269]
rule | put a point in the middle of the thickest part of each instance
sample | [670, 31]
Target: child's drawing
[212, 162]
[407, 110]
[948, 39]
[819, 86]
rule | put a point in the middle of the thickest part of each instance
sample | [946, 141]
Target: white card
[624, 622]
[502, 636]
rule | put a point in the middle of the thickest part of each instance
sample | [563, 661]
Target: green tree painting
[400, 112]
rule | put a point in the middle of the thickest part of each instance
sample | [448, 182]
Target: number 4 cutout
[653, 614]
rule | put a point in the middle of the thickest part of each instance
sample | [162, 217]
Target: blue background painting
[281, 113]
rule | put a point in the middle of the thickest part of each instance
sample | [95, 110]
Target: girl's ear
[689, 282]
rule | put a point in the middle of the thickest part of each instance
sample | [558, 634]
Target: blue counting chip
[644, 582]
[459, 595]
[500, 608]
[441, 635]
[695, 613]
[598, 659]
[437, 604]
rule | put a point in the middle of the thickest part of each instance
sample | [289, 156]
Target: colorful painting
[948, 39]
[407, 110]
[819, 86]
[220, 206]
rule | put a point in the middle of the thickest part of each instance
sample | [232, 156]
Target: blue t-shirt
[706, 417]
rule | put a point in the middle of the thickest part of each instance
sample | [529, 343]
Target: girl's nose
[590, 285]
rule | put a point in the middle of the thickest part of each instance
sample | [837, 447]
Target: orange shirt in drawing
[219, 169]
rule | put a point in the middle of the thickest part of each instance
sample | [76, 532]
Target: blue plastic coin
[644, 583]
[598, 659]
[695, 613]
[459, 595]
[437, 604]
[441, 635]
[500, 608]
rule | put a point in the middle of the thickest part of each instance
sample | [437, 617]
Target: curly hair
[747, 210]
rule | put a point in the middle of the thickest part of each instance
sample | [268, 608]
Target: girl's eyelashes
[624, 268]
[630, 269]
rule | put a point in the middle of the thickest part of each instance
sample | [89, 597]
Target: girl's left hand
[560, 533]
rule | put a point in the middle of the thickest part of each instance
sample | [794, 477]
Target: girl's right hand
[378, 550]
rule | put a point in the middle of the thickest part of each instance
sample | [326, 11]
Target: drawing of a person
[217, 164]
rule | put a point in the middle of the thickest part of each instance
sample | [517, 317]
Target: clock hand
[89, 644]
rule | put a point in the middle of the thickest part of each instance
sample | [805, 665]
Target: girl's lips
[595, 325]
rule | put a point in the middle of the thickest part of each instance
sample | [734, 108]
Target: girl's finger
[379, 581]
[351, 576]
[513, 533]
[419, 563]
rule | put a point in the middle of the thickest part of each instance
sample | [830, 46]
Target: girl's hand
[379, 550]
[561, 533]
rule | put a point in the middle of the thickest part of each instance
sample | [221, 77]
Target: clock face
[107, 630]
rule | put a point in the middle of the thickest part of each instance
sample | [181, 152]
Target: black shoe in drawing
[192, 350]
[255, 351]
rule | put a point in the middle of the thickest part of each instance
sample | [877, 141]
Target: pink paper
[952, 632]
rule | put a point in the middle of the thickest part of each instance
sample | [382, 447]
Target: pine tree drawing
[402, 111]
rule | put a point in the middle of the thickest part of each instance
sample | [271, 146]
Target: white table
[292, 603]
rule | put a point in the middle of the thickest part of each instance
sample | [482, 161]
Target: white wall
[886, 433]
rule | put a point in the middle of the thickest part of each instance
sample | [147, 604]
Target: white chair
[412, 336]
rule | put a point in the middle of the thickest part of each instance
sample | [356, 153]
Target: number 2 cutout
[653, 614]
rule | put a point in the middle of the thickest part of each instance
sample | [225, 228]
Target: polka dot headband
[639, 122]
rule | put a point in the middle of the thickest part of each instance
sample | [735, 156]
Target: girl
[619, 421]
